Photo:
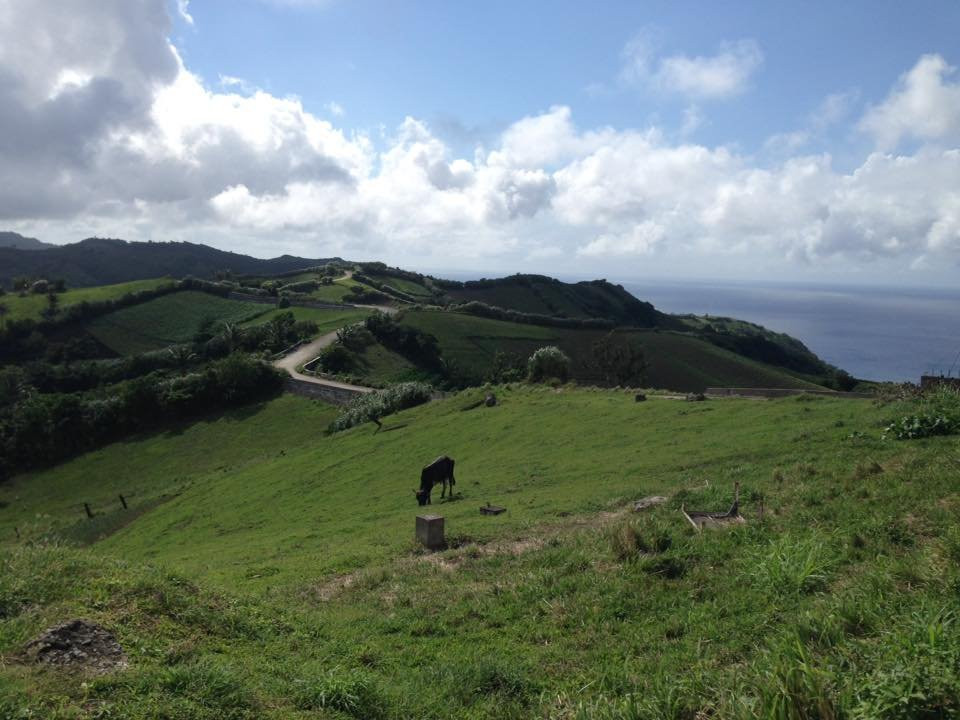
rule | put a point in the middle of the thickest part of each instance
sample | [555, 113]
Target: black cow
[439, 471]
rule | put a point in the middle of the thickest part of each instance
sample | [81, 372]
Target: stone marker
[430, 531]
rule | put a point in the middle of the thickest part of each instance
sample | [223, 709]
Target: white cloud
[723, 75]
[335, 109]
[183, 9]
[925, 105]
[109, 133]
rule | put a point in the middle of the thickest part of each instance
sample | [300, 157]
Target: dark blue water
[872, 333]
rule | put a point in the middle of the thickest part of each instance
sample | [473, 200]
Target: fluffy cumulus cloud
[925, 105]
[104, 130]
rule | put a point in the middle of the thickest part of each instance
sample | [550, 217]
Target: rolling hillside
[541, 295]
[98, 261]
[32, 305]
[676, 361]
[169, 320]
[263, 570]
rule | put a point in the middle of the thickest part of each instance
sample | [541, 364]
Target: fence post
[123, 502]
[89, 512]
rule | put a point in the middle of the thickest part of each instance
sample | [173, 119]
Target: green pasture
[31, 306]
[266, 570]
[169, 320]
[676, 361]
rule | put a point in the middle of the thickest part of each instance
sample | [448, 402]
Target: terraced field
[169, 320]
[31, 306]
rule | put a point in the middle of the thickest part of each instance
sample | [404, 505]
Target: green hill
[541, 295]
[169, 320]
[676, 361]
[264, 570]
[100, 261]
[31, 306]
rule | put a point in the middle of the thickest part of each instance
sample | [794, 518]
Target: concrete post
[430, 531]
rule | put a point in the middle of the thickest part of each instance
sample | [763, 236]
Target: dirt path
[306, 353]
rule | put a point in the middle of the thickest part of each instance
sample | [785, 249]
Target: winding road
[306, 353]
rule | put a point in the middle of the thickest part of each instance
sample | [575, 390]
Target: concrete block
[430, 531]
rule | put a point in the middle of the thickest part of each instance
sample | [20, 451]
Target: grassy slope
[677, 362]
[851, 564]
[339, 291]
[31, 306]
[168, 320]
[326, 320]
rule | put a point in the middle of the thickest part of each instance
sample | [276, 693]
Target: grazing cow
[439, 471]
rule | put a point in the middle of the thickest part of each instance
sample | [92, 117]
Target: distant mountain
[20, 242]
[98, 261]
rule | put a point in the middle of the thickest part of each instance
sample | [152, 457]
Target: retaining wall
[781, 392]
[327, 393]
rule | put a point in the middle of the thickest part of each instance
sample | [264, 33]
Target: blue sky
[796, 141]
[471, 69]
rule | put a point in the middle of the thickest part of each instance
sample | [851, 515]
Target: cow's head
[423, 497]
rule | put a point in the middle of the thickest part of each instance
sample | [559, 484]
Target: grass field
[31, 306]
[278, 577]
[327, 320]
[676, 361]
[169, 320]
[404, 285]
[339, 291]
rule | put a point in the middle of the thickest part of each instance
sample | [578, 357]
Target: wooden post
[89, 512]
[123, 502]
[430, 531]
[17, 531]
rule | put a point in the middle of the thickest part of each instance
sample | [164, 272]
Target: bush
[548, 362]
[378, 404]
[934, 412]
[337, 358]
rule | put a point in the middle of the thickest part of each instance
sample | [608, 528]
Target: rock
[696, 397]
[491, 400]
[639, 397]
[648, 502]
[78, 643]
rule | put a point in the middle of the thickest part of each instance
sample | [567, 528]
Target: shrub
[337, 358]
[935, 412]
[381, 403]
[548, 362]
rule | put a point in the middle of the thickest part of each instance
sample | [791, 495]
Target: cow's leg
[443, 488]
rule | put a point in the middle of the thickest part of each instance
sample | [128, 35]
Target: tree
[548, 362]
[620, 362]
[4, 310]
[53, 305]
[279, 330]
[337, 359]
[232, 335]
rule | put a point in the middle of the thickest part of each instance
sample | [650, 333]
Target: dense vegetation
[43, 428]
[282, 582]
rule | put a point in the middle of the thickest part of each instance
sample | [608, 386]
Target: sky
[793, 141]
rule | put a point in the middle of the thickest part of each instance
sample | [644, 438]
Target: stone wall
[780, 392]
[327, 393]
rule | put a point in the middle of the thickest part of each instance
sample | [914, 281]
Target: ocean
[873, 333]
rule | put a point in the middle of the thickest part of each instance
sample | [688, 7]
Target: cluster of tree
[343, 356]
[620, 361]
[23, 284]
[420, 348]
[496, 313]
[375, 405]
[40, 428]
